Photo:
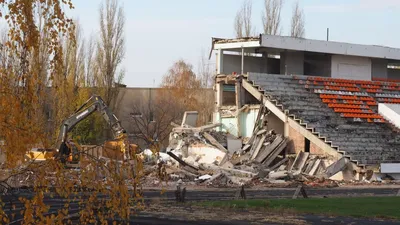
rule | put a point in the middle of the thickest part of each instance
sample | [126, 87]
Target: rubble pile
[203, 156]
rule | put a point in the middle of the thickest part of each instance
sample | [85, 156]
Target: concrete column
[238, 90]
[286, 128]
[292, 63]
[379, 68]
[218, 94]
[242, 69]
[220, 61]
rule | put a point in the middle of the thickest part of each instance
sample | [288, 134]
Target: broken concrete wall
[227, 116]
[229, 125]
[297, 144]
[276, 124]
[248, 119]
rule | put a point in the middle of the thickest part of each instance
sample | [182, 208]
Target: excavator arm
[93, 104]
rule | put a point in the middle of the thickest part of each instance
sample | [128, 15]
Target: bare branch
[297, 27]
[271, 17]
[238, 25]
[242, 24]
[205, 70]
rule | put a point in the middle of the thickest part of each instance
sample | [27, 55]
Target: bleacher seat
[346, 117]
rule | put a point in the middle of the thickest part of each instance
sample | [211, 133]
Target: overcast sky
[159, 32]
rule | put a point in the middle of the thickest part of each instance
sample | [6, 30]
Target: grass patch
[373, 207]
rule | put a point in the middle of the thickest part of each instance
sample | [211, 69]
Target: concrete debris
[336, 167]
[204, 177]
[214, 142]
[300, 161]
[205, 156]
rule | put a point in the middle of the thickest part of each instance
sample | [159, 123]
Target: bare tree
[151, 117]
[90, 65]
[271, 17]
[297, 27]
[111, 48]
[74, 58]
[238, 25]
[243, 25]
[205, 71]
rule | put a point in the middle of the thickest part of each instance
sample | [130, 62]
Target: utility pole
[327, 34]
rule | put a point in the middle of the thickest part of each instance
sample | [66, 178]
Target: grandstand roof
[276, 43]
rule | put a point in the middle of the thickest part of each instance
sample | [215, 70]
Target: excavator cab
[69, 152]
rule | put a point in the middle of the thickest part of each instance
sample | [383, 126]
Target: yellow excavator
[70, 152]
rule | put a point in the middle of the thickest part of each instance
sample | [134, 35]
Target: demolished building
[344, 109]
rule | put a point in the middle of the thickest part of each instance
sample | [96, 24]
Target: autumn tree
[243, 20]
[185, 88]
[271, 17]
[44, 50]
[183, 84]
[297, 28]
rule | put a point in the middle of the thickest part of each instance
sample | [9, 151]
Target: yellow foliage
[43, 51]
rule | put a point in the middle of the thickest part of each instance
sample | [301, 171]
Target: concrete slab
[234, 144]
[275, 153]
[300, 161]
[258, 147]
[315, 167]
[190, 118]
[268, 149]
[336, 167]
[390, 167]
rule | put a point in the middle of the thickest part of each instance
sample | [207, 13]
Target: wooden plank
[275, 153]
[254, 145]
[185, 165]
[263, 131]
[245, 147]
[253, 136]
[195, 129]
[260, 111]
[214, 142]
[209, 127]
[268, 149]
[300, 189]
